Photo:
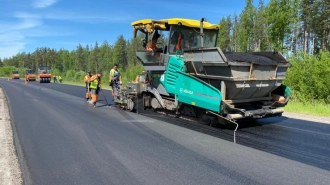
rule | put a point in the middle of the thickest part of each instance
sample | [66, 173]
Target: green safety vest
[113, 73]
[94, 84]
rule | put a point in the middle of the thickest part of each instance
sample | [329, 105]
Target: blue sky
[28, 24]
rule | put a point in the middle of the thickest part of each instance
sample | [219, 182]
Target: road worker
[114, 78]
[179, 42]
[87, 85]
[54, 77]
[145, 78]
[95, 86]
[151, 45]
[60, 79]
[137, 78]
[176, 39]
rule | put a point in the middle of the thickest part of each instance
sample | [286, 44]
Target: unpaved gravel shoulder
[307, 117]
[10, 173]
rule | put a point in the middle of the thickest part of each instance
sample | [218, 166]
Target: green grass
[313, 108]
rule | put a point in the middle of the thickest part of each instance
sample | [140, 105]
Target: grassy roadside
[313, 108]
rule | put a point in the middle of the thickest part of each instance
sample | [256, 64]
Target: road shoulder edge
[307, 117]
[25, 174]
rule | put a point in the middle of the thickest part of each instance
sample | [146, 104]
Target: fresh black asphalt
[66, 141]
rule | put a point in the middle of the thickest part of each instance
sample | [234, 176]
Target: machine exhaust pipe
[202, 33]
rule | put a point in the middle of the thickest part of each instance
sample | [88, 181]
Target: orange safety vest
[153, 46]
[87, 77]
[178, 44]
[137, 78]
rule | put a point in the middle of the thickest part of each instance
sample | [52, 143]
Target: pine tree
[307, 18]
[321, 25]
[94, 58]
[224, 34]
[234, 37]
[104, 56]
[37, 58]
[279, 14]
[86, 55]
[260, 28]
[79, 58]
[120, 52]
[247, 21]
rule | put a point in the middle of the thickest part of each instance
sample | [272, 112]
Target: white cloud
[12, 34]
[10, 37]
[43, 3]
[47, 31]
[25, 21]
[76, 16]
[35, 28]
[25, 15]
[10, 49]
[69, 16]
[22, 25]
[15, 35]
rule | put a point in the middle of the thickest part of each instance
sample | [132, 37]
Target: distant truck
[43, 74]
[15, 74]
[29, 75]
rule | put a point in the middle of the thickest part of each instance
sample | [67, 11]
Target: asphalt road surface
[63, 140]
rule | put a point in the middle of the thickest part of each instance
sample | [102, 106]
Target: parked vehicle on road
[29, 75]
[191, 76]
[44, 75]
[15, 74]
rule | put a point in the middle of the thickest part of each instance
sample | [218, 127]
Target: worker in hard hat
[115, 78]
[87, 85]
[95, 86]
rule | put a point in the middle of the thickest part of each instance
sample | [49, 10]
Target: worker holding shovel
[95, 86]
[87, 84]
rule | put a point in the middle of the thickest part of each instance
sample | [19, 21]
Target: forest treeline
[282, 25]
[298, 28]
